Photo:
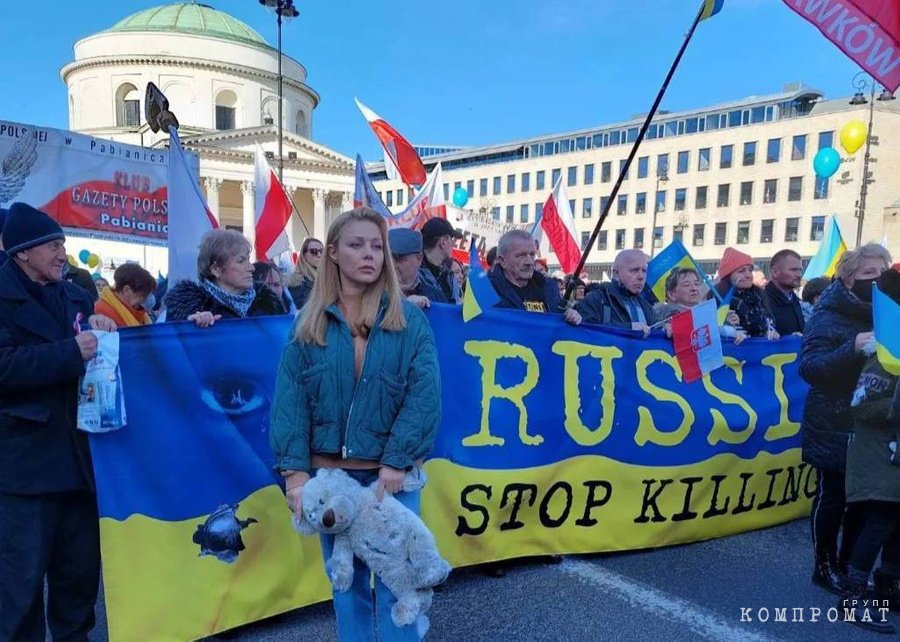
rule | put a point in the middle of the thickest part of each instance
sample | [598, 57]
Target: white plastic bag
[101, 401]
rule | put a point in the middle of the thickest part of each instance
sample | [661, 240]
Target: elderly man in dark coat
[48, 512]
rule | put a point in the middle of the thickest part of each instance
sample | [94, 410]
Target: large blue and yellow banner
[554, 439]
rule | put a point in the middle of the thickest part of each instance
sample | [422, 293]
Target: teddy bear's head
[328, 505]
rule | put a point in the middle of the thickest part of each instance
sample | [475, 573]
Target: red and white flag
[397, 150]
[558, 225]
[273, 210]
[427, 203]
[698, 342]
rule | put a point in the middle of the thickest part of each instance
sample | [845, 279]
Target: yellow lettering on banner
[572, 351]
[647, 430]
[488, 354]
[785, 427]
[720, 430]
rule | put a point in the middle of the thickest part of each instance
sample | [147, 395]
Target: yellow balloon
[853, 136]
[71, 260]
[93, 261]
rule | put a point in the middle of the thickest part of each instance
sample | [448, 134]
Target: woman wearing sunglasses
[300, 283]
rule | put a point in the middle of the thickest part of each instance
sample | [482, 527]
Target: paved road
[689, 592]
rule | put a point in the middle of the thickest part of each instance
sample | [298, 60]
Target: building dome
[190, 18]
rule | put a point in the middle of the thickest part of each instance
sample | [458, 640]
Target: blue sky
[469, 71]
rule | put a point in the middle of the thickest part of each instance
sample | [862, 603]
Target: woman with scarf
[124, 303]
[746, 299]
[225, 288]
[300, 283]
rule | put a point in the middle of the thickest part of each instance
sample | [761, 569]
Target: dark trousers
[880, 530]
[829, 513]
[55, 536]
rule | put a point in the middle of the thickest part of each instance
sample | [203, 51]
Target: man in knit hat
[735, 285]
[48, 511]
[418, 285]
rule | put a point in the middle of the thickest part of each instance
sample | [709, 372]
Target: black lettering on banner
[462, 526]
[742, 507]
[649, 501]
[543, 510]
[713, 510]
[809, 475]
[686, 512]
[769, 502]
[592, 502]
[519, 490]
[792, 485]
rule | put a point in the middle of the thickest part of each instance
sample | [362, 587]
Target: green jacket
[390, 415]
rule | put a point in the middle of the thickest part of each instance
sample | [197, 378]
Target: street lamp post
[661, 177]
[284, 10]
[859, 98]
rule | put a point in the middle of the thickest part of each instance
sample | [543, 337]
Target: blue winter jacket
[390, 415]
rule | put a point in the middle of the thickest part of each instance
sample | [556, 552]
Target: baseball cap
[437, 227]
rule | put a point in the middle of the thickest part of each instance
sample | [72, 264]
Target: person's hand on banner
[100, 322]
[642, 328]
[87, 344]
[573, 317]
[390, 480]
[419, 301]
[204, 319]
[732, 318]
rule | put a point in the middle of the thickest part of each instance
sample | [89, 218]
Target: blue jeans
[362, 614]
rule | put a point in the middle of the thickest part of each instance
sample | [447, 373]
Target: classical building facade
[220, 77]
[738, 173]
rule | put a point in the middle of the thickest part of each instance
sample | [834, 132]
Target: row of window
[720, 234]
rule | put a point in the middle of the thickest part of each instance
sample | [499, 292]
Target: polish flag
[698, 343]
[427, 203]
[397, 150]
[273, 210]
[558, 225]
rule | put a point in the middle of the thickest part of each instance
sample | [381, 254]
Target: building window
[572, 178]
[622, 169]
[585, 239]
[661, 200]
[658, 237]
[724, 194]
[497, 184]
[826, 139]
[470, 188]
[678, 234]
[791, 230]
[821, 188]
[589, 174]
[662, 165]
[746, 192]
[773, 150]
[766, 231]
[495, 213]
[128, 106]
[700, 203]
[587, 206]
[704, 159]
[699, 233]
[721, 233]
[684, 159]
[620, 239]
[622, 205]
[639, 239]
[640, 203]
[770, 190]
[400, 197]
[510, 213]
[538, 211]
[526, 182]
[511, 184]
[602, 241]
[680, 199]
[749, 154]
[540, 180]
[523, 213]
[743, 233]
[643, 166]
[482, 187]
[605, 172]
[795, 188]
[604, 201]
[226, 110]
[798, 147]
[302, 124]
[555, 178]
[727, 152]
[446, 191]
[817, 231]
[390, 198]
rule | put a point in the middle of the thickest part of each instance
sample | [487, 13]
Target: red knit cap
[732, 259]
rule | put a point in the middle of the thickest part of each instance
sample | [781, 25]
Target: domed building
[220, 77]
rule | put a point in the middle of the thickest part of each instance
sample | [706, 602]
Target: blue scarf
[240, 303]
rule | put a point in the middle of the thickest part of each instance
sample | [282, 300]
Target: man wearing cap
[48, 512]
[621, 303]
[437, 243]
[419, 286]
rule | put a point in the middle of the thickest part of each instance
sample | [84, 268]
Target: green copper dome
[190, 18]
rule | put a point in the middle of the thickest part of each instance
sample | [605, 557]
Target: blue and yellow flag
[711, 8]
[674, 255]
[830, 250]
[480, 294]
[886, 315]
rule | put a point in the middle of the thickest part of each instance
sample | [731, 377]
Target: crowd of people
[358, 386]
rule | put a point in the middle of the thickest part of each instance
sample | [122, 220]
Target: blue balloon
[460, 197]
[826, 162]
[83, 256]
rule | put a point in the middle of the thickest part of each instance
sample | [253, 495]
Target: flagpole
[294, 208]
[634, 148]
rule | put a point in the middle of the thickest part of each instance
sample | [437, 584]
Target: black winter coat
[787, 313]
[607, 305]
[510, 299]
[752, 311]
[187, 297]
[300, 293]
[41, 451]
[830, 364]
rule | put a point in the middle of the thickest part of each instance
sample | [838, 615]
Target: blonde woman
[300, 283]
[358, 388]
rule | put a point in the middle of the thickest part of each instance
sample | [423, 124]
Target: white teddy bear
[388, 537]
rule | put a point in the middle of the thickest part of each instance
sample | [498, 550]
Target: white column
[212, 194]
[346, 202]
[320, 225]
[248, 218]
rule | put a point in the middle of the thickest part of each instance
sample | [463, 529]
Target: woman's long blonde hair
[327, 288]
[304, 270]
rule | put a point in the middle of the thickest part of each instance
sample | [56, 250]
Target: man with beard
[785, 272]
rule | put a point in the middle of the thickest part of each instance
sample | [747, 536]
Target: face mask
[862, 288]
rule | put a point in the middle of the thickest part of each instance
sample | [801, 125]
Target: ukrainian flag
[886, 315]
[480, 294]
[711, 8]
[830, 250]
[674, 255]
